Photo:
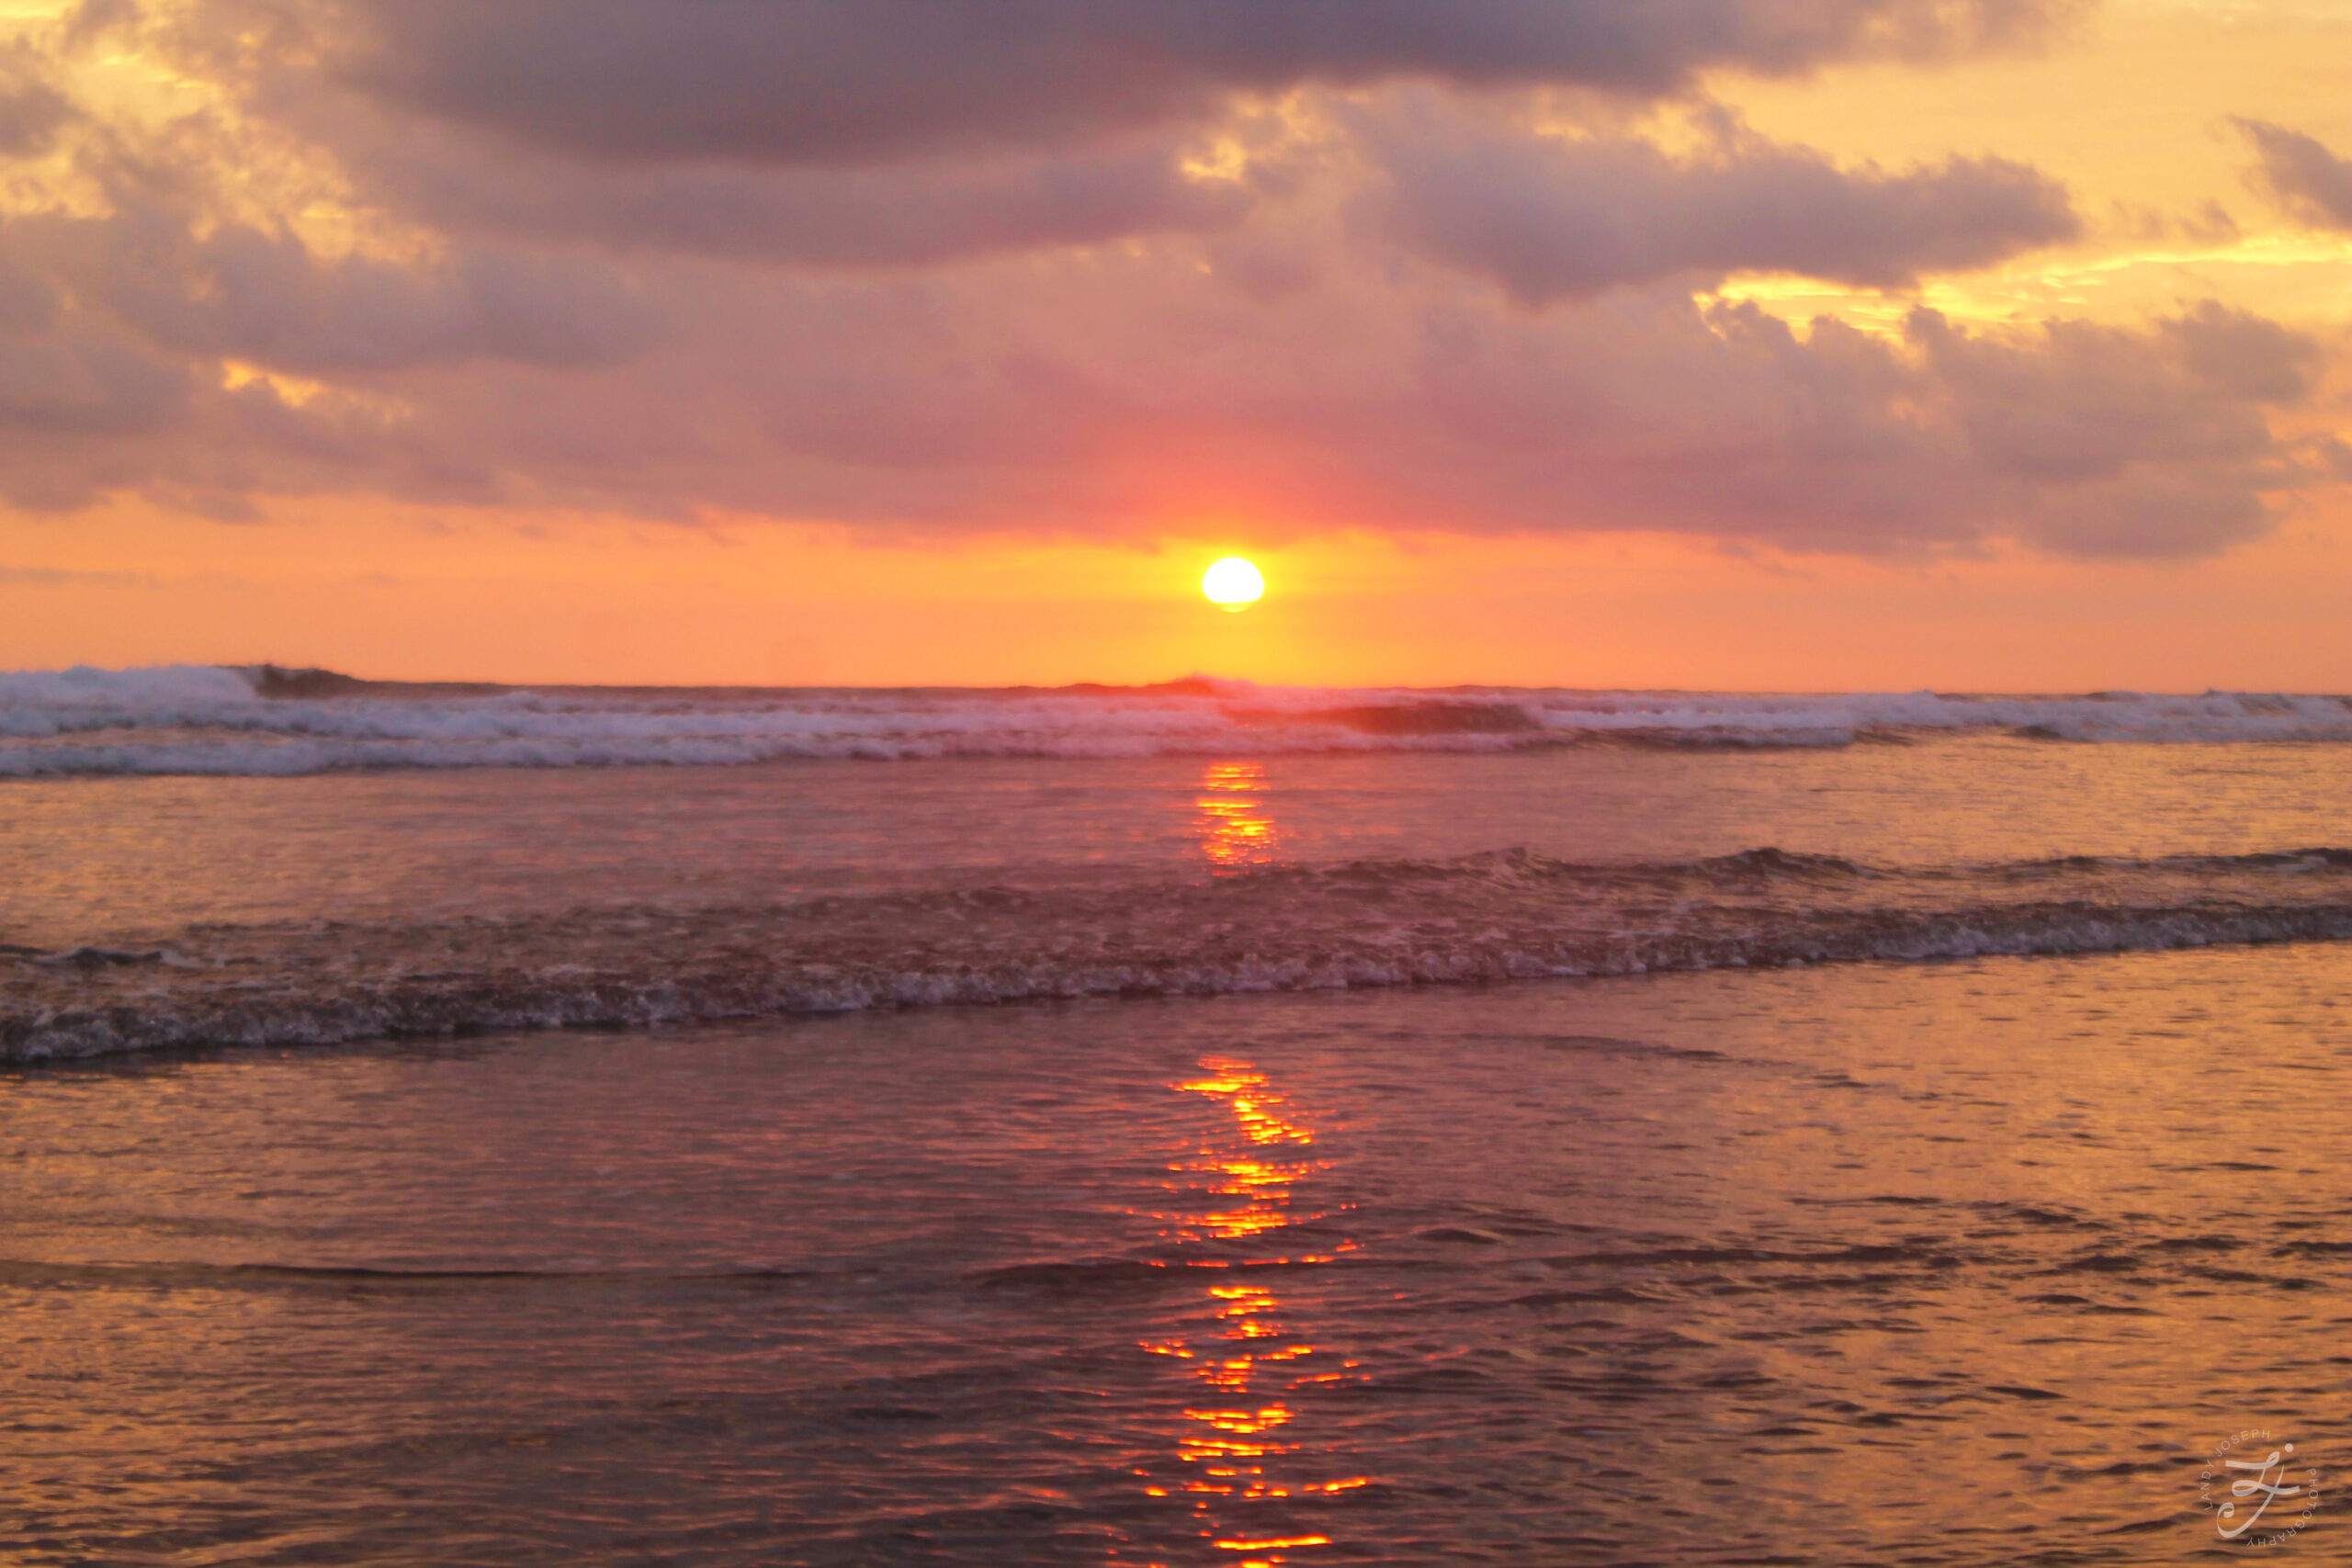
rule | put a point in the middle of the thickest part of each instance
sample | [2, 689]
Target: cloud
[960, 289]
[26, 304]
[32, 107]
[913, 216]
[1549, 218]
[60, 577]
[2244, 356]
[2076, 401]
[2081, 440]
[235, 292]
[2124, 443]
[856, 81]
[905, 132]
[2334, 457]
[1129, 397]
[2300, 172]
[80, 378]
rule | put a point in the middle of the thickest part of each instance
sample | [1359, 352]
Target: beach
[1452, 1144]
[1174, 783]
[1967, 1263]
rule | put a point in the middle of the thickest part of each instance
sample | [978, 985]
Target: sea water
[1279, 1128]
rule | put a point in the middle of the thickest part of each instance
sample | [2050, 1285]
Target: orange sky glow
[307, 355]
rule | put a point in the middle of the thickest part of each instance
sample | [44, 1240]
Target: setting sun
[1233, 583]
[650, 537]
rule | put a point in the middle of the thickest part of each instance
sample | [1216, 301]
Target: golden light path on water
[1235, 831]
[1242, 1447]
[1243, 1450]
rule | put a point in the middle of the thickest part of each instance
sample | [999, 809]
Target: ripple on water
[1609, 1272]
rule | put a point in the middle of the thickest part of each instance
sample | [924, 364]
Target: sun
[1233, 584]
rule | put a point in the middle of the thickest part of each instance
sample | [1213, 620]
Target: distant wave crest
[262, 721]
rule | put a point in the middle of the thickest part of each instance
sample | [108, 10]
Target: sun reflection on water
[1240, 1447]
[1235, 831]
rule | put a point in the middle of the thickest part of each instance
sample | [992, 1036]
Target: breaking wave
[265, 721]
[1498, 916]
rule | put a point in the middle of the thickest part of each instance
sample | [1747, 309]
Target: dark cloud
[32, 108]
[943, 266]
[81, 378]
[2075, 402]
[2334, 457]
[2307, 179]
[26, 304]
[2129, 442]
[2083, 440]
[1548, 218]
[236, 292]
[2243, 354]
[919, 215]
[1116, 401]
[85, 408]
[2150, 515]
[846, 81]
[911, 133]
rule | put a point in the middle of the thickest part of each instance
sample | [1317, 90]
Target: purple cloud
[855, 81]
[2301, 174]
[878, 264]
[1547, 219]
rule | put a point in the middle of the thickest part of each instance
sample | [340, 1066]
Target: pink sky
[1803, 344]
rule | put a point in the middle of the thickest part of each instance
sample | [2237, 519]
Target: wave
[1497, 916]
[267, 721]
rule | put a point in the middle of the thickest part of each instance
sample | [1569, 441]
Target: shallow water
[147, 913]
[1973, 1261]
[1967, 1263]
[101, 859]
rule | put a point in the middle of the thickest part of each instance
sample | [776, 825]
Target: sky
[1796, 344]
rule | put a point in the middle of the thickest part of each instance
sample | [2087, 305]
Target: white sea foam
[49, 702]
[202, 720]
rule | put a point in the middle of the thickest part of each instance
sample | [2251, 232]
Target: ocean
[1199, 1123]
